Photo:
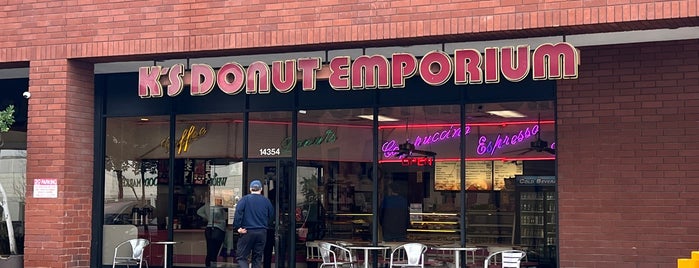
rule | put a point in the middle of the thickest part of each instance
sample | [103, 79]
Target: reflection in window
[135, 190]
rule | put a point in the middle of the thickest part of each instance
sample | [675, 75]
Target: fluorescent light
[302, 111]
[380, 117]
[143, 119]
[506, 114]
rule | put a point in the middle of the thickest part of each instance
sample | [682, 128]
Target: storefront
[333, 152]
[600, 170]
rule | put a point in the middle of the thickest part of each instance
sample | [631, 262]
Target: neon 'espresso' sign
[485, 145]
[463, 67]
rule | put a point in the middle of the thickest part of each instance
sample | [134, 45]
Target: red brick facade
[627, 128]
[628, 137]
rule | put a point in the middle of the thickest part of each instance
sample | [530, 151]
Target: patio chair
[505, 259]
[414, 255]
[335, 255]
[135, 248]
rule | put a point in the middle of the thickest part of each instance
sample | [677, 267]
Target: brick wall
[46, 29]
[60, 145]
[628, 143]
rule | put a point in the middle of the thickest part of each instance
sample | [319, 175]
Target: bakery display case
[433, 226]
[490, 227]
[349, 226]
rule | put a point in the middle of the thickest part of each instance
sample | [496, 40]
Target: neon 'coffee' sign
[485, 145]
[189, 135]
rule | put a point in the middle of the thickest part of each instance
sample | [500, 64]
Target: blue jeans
[251, 242]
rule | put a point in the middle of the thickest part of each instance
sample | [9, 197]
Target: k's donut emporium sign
[463, 67]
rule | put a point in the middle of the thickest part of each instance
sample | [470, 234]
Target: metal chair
[335, 255]
[414, 255]
[135, 257]
[505, 259]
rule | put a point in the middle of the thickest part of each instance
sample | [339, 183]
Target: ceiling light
[302, 111]
[380, 117]
[144, 119]
[506, 114]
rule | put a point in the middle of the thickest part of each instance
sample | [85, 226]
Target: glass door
[276, 176]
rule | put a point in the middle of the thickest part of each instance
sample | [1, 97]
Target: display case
[349, 226]
[433, 226]
[490, 227]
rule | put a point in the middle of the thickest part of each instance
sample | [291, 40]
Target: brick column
[60, 145]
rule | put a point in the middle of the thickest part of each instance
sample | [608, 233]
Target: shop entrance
[276, 176]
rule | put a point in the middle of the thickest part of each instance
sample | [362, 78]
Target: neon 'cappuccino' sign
[463, 67]
[485, 145]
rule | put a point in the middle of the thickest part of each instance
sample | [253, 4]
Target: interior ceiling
[438, 114]
[442, 114]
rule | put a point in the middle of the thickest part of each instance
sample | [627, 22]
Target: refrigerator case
[536, 217]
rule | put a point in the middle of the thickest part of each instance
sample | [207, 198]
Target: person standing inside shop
[216, 217]
[253, 215]
[395, 215]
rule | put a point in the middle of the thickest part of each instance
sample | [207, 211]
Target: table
[456, 250]
[366, 251]
[165, 244]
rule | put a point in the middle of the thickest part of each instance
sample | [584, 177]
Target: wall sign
[535, 180]
[463, 67]
[45, 188]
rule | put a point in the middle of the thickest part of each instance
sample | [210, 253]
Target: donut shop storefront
[466, 135]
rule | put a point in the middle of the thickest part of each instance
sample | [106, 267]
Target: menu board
[480, 175]
[503, 170]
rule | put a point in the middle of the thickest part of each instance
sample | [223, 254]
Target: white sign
[45, 188]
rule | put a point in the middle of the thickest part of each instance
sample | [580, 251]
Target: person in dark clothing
[253, 215]
[216, 217]
[395, 215]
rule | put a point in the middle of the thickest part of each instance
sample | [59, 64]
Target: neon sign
[417, 161]
[485, 146]
[389, 147]
[189, 135]
[328, 137]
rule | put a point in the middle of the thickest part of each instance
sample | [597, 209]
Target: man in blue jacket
[253, 215]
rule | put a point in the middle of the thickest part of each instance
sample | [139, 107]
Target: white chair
[136, 248]
[505, 259]
[335, 255]
[313, 252]
[414, 255]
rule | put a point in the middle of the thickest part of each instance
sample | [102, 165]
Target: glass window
[208, 183]
[136, 182]
[334, 173]
[414, 141]
[13, 168]
[269, 135]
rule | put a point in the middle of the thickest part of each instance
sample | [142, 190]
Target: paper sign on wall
[45, 188]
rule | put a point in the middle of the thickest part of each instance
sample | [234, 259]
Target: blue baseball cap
[256, 185]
